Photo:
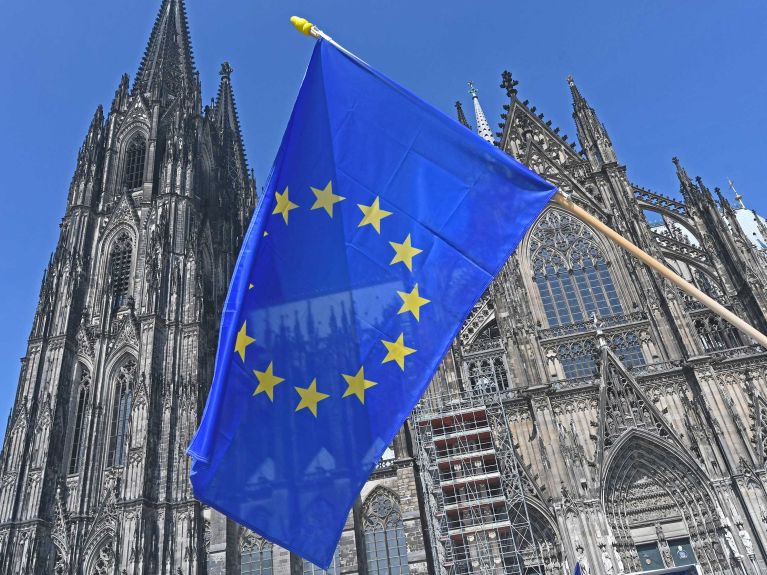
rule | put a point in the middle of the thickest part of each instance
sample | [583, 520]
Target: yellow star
[326, 198]
[243, 341]
[250, 286]
[404, 253]
[284, 205]
[310, 397]
[266, 233]
[412, 302]
[373, 215]
[357, 385]
[267, 381]
[397, 351]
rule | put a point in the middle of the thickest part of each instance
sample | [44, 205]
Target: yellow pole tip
[302, 25]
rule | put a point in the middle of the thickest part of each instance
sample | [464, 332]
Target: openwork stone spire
[167, 68]
[225, 115]
[483, 128]
[591, 132]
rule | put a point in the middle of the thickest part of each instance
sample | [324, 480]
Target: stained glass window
[123, 401]
[570, 271]
[716, 334]
[134, 163]
[120, 266]
[578, 358]
[384, 535]
[488, 374]
[255, 556]
[76, 455]
[312, 569]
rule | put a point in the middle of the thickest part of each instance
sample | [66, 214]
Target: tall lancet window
[123, 401]
[78, 445]
[312, 569]
[570, 271]
[384, 535]
[120, 265]
[134, 163]
[255, 555]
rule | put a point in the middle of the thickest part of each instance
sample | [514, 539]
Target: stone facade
[588, 411]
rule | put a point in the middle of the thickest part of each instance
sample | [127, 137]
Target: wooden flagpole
[560, 199]
[306, 27]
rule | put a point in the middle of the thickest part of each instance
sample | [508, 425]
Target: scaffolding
[472, 485]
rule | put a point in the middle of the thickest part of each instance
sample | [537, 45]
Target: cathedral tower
[94, 475]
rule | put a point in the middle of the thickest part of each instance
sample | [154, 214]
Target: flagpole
[309, 29]
[688, 288]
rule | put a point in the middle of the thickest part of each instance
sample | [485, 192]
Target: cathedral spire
[167, 68]
[226, 120]
[591, 132]
[483, 128]
[228, 125]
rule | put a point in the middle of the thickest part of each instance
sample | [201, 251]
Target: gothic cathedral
[587, 412]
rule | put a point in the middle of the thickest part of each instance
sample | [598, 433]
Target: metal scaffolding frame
[473, 487]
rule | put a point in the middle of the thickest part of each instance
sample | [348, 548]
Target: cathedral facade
[587, 412]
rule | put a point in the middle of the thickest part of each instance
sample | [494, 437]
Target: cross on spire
[738, 197]
[483, 128]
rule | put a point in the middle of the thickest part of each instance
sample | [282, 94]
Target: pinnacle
[461, 116]
[509, 83]
[578, 99]
[225, 115]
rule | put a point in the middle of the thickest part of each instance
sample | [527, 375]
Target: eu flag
[383, 222]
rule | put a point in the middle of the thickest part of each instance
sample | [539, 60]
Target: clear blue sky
[679, 78]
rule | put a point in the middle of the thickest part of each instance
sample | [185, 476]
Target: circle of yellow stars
[412, 302]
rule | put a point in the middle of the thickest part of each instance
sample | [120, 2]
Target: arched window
[121, 408]
[488, 374]
[578, 358]
[120, 266]
[384, 535]
[312, 569]
[255, 555]
[716, 334]
[134, 163]
[78, 445]
[103, 563]
[570, 271]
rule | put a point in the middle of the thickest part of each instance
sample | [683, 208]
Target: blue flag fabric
[383, 222]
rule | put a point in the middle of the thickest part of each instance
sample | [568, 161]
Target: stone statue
[581, 555]
[619, 562]
[731, 542]
[608, 563]
[747, 543]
